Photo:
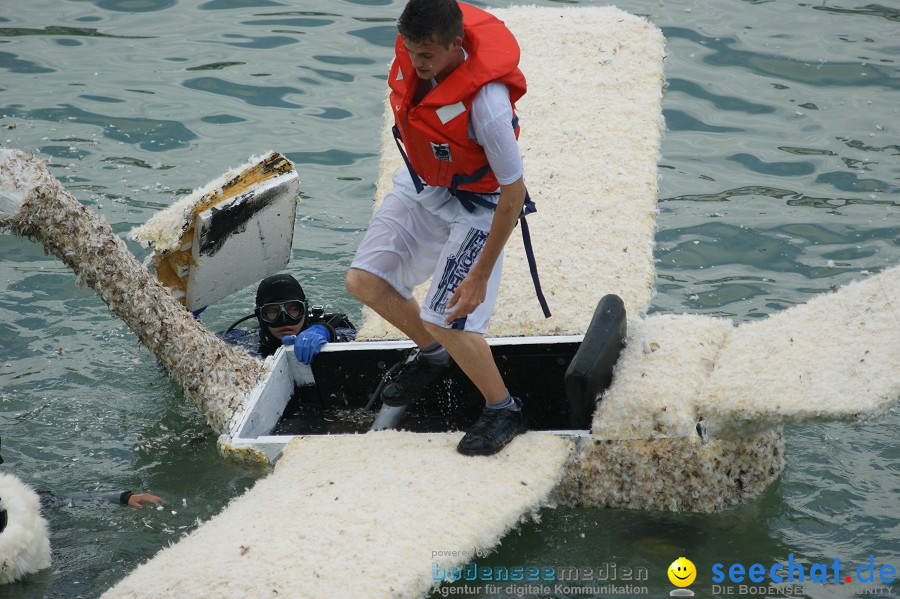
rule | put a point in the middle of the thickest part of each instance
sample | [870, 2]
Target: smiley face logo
[682, 572]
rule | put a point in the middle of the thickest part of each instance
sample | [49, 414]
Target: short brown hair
[424, 21]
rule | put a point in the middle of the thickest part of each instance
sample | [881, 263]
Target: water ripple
[14, 64]
[237, 4]
[215, 66]
[344, 60]
[779, 169]
[255, 95]
[148, 134]
[820, 73]
[104, 99]
[328, 157]
[729, 103]
[383, 35]
[874, 10]
[266, 42]
[793, 198]
[292, 22]
[845, 181]
[135, 6]
[59, 30]
[678, 120]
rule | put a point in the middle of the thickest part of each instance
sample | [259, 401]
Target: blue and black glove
[308, 343]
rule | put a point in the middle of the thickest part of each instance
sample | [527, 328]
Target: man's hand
[470, 294]
[139, 499]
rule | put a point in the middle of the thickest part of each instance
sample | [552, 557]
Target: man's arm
[117, 497]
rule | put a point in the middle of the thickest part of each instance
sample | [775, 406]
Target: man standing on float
[454, 84]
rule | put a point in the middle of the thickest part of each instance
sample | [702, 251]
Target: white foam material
[837, 356]
[680, 474]
[356, 516]
[24, 543]
[666, 361]
[163, 230]
[692, 421]
[834, 357]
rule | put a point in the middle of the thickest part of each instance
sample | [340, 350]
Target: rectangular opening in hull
[330, 397]
[345, 381]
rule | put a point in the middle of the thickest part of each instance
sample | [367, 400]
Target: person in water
[136, 500]
[284, 318]
[51, 499]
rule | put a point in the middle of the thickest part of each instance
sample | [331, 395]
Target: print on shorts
[458, 266]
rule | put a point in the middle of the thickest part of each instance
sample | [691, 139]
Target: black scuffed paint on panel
[233, 218]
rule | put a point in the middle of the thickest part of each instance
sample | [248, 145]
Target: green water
[779, 180]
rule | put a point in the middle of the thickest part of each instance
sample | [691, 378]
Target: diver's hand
[308, 343]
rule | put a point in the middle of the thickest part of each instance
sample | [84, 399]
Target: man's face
[431, 60]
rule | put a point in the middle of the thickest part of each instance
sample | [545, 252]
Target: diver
[284, 318]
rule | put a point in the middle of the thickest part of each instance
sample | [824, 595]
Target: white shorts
[415, 236]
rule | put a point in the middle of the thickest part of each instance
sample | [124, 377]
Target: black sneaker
[493, 430]
[409, 377]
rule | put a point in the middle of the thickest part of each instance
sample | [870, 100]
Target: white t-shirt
[490, 124]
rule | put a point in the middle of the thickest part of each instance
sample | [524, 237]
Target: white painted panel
[257, 247]
[268, 400]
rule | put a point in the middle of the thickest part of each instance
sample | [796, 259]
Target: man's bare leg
[498, 424]
[469, 350]
[379, 295]
[503, 417]
[472, 354]
[406, 380]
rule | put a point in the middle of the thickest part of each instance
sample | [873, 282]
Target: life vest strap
[412, 172]
[470, 199]
[532, 263]
[461, 179]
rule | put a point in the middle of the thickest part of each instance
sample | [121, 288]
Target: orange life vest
[434, 132]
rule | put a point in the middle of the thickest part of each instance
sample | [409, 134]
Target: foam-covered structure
[693, 418]
[214, 375]
[369, 516]
[24, 541]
